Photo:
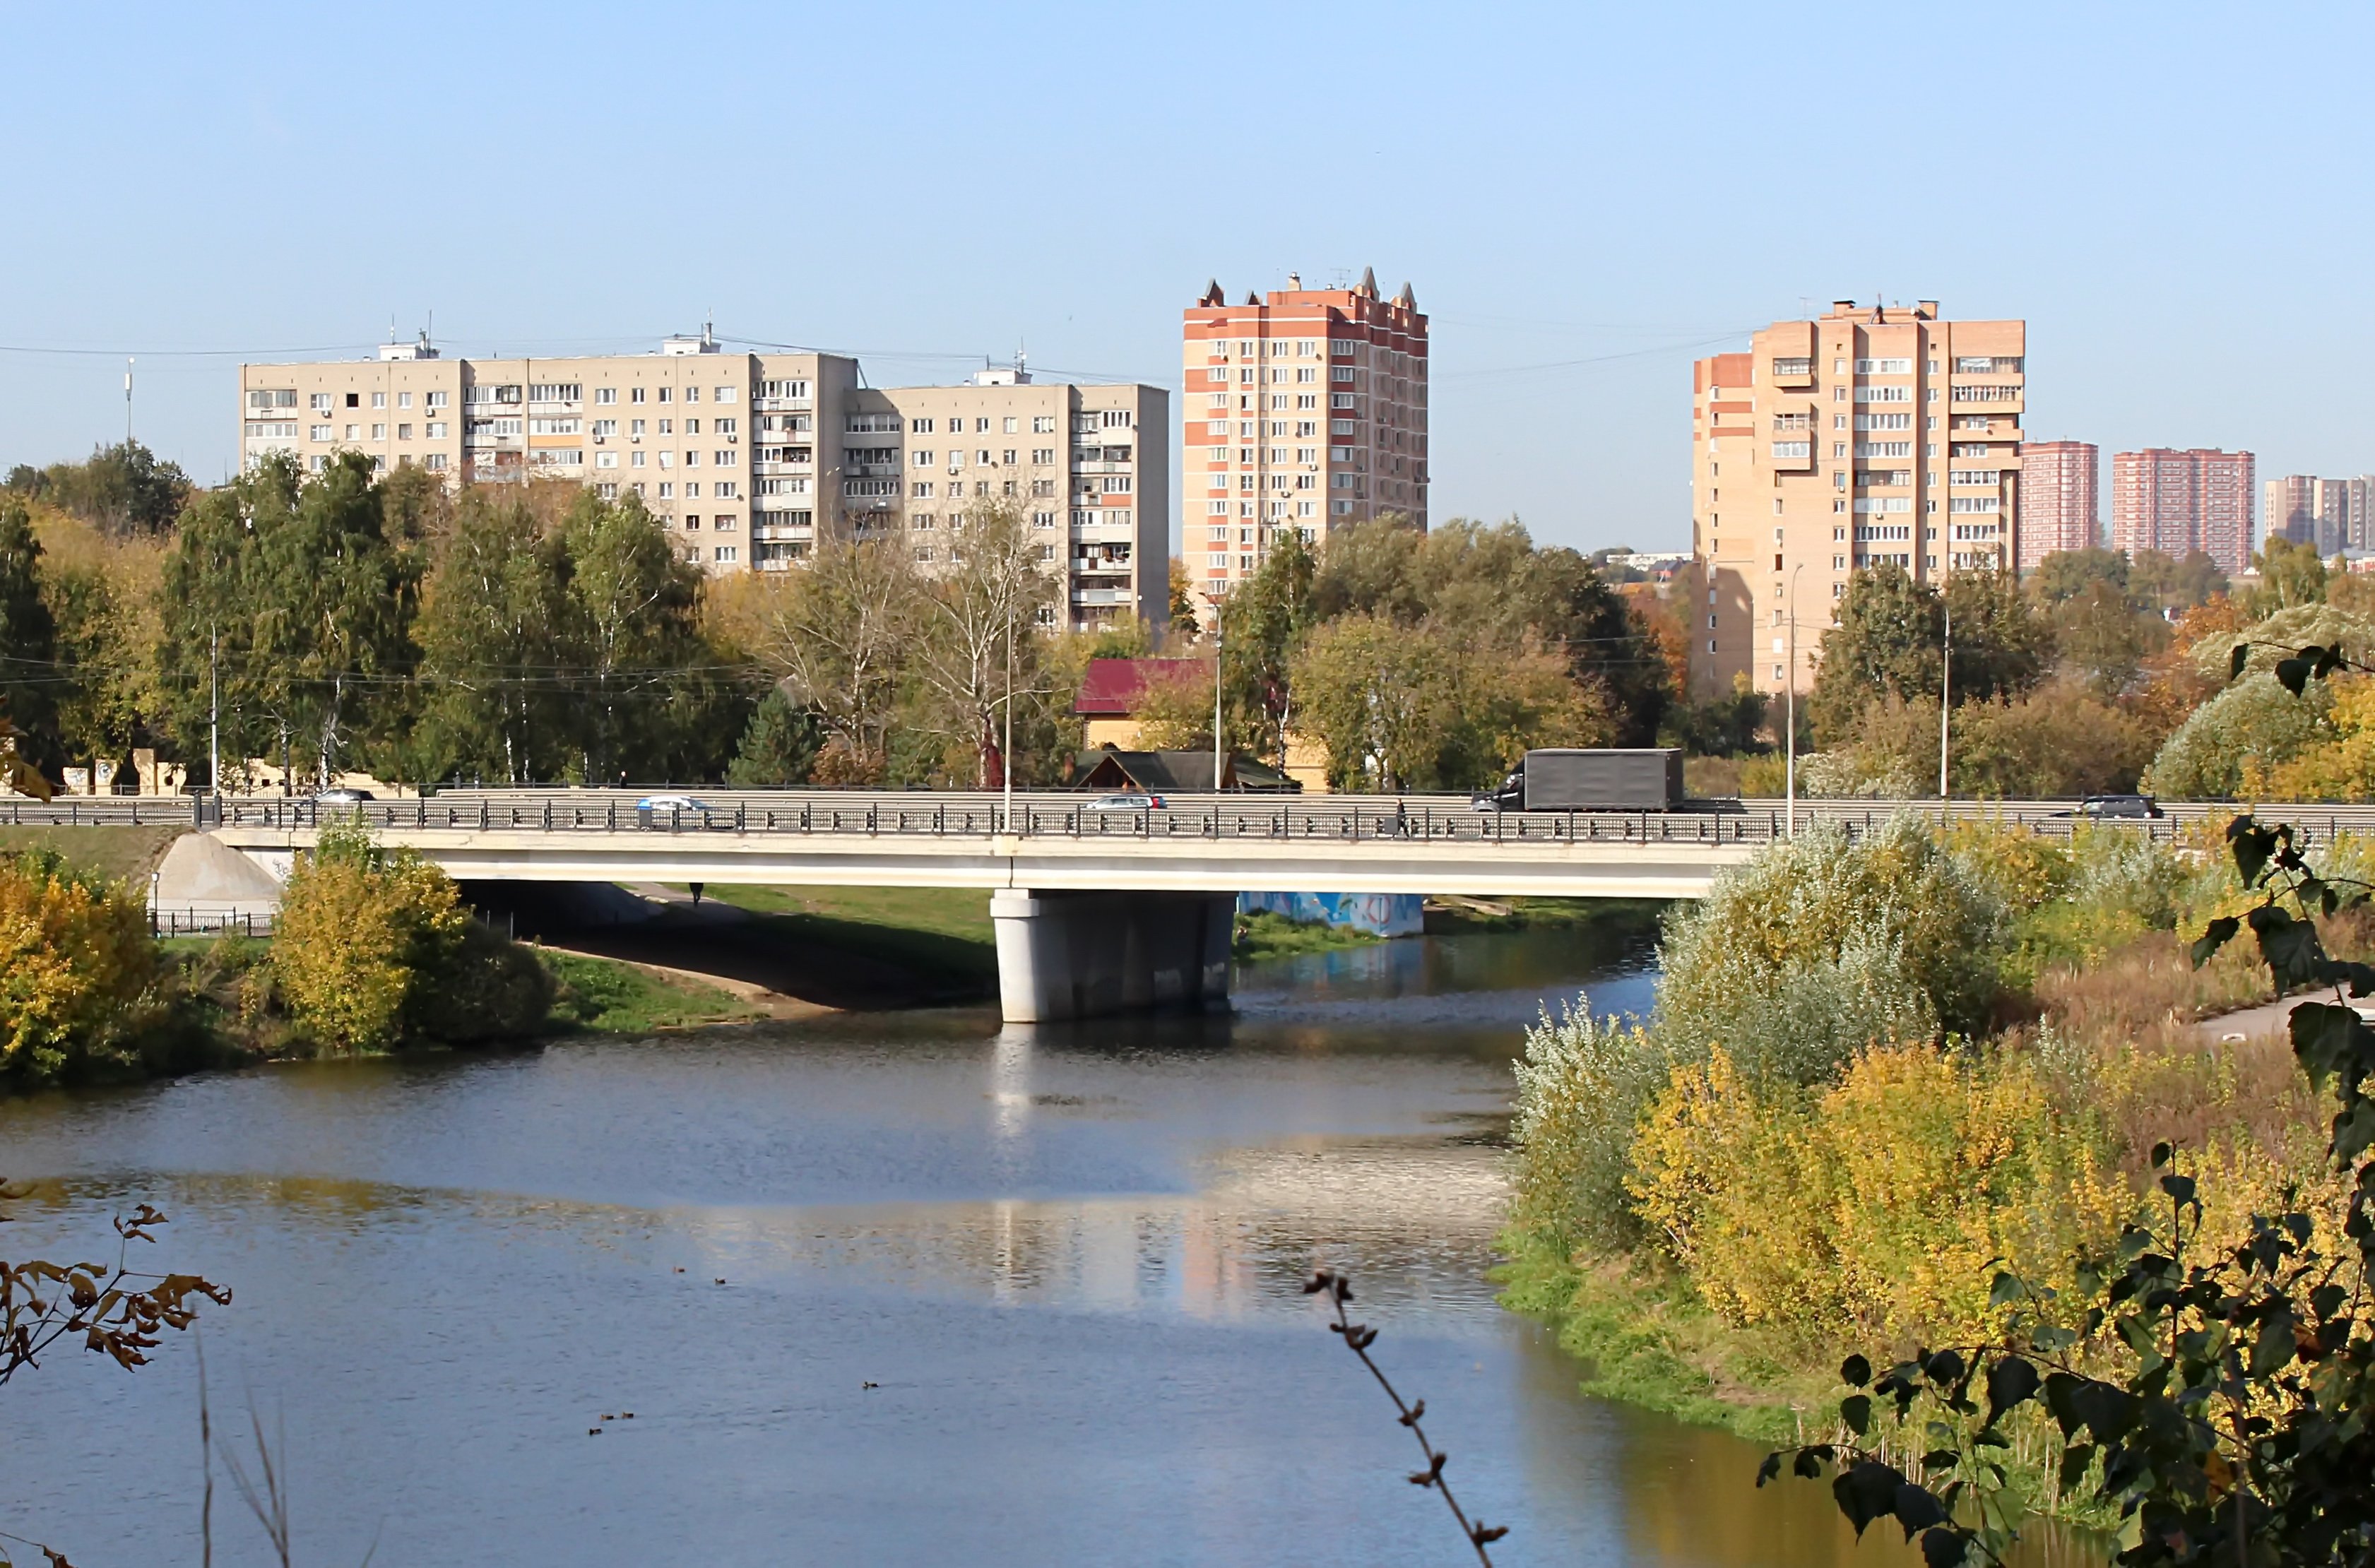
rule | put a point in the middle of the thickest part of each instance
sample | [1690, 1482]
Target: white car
[670, 803]
[1125, 802]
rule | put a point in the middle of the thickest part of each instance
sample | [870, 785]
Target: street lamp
[1791, 807]
[1946, 699]
[1218, 604]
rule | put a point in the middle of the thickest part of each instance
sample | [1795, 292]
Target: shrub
[1581, 1089]
[2253, 726]
[374, 948]
[1880, 1204]
[1822, 944]
[83, 988]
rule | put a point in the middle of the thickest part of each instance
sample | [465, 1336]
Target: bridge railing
[1336, 819]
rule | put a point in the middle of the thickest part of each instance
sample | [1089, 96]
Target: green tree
[494, 638]
[655, 707]
[1730, 726]
[2291, 574]
[29, 672]
[1187, 613]
[2066, 575]
[2157, 583]
[121, 488]
[779, 749]
[2103, 637]
[1887, 640]
[1263, 622]
[290, 589]
[1380, 697]
[2002, 645]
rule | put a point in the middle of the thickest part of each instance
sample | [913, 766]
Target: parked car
[342, 796]
[2108, 806]
[1126, 803]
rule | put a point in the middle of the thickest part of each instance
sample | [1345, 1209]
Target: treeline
[338, 622]
[1429, 660]
[2079, 680]
[121, 488]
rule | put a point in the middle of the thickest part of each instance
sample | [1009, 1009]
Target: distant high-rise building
[2330, 514]
[1866, 436]
[2177, 502]
[1305, 410]
[2059, 504]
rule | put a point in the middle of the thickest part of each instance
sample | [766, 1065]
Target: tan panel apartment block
[1865, 436]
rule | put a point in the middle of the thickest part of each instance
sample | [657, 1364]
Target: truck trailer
[1643, 779]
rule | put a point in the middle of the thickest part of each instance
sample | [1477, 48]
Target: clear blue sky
[1584, 196]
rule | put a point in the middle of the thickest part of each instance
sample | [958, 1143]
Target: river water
[897, 1289]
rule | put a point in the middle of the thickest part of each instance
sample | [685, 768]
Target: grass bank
[118, 854]
[603, 995]
[1265, 933]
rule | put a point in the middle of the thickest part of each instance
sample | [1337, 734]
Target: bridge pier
[1064, 955]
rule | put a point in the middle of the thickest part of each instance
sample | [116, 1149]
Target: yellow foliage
[356, 932]
[2341, 769]
[1880, 1207]
[80, 979]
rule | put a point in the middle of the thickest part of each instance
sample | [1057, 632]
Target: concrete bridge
[1093, 911]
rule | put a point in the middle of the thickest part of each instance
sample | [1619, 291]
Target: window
[379, 433]
[1799, 367]
[692, 427]
[605, 394]
[784, 389]
[1884, 449]
[692, 395]
[723, 395]
[721, 427]
[981, 424]
[354, 399]
[1884, 367]
[438, 429]
[1009, 458]
[723, 457]
[636, 460]
[319, 402]
[724, 553]
[320, 432]
[668, 427]
[354, 432]
[553, 392]
[605, 460]
[435, 460]
[1884, 421]
[693, 457]
[1888, 394]
[1984, 393]
[664, 393]
[552, 427]
[1783, 450]
[605, 428]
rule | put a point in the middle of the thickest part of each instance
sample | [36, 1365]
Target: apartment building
[2060, 499]
[747, 459]
[2178, 501]
[1306, 409]
[2329, 513]
[1866, 436]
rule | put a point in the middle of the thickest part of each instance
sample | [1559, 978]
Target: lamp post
[1946, 699]
[1006, 746]
[1791, 808]
[1218, 606]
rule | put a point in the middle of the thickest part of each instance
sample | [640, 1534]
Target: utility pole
[1791, 807]
[1945, 702]
[127, 400]
[1006, 747]
[214, 716]
[1217, 617]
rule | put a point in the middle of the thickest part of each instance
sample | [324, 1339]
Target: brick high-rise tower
[1304, 410]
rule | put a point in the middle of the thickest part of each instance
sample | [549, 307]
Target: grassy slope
[606, 996]
[941, 935]
[119, 853]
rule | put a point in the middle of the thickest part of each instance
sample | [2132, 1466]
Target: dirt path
[772, 1004]
[2267, 1018]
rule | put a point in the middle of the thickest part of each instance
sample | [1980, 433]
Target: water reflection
[1068, 1260]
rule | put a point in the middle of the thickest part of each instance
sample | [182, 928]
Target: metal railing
[1313, 819]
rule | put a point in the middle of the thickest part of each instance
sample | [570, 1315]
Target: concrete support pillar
[1079, 954]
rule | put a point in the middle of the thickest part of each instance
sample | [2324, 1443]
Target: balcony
[1794, 371]
[783, 405]
[865, 470]
[1103, 596]
[1100, 467]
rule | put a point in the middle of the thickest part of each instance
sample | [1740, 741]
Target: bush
[2237, 738]
[83, 990]
[1822, 944]
[373, 948]
[1879, 1205]
[1581, 1089]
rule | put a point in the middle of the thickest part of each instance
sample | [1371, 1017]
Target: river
[897, 1289]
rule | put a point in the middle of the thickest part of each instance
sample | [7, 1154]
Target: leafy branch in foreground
[1358, 1337]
